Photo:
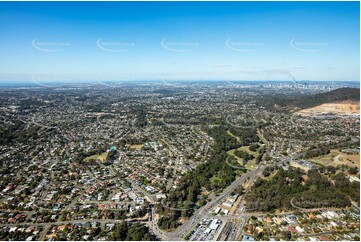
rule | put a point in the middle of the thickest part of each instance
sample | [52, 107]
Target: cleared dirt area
[335, 108]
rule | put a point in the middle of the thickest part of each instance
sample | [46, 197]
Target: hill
[308, 101]
[335, 96]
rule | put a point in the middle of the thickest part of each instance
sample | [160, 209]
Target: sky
[60, 41]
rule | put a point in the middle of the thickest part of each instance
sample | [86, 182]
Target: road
[44, 232]
[153, 223]
[140, 220]
[182, 231]
[150, 197]
[172, 152]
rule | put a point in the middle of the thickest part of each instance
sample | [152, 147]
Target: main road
[186, 227]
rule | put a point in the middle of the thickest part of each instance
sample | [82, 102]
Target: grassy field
[237, 138]
[336, 158]
[252, 163]
[100, 157]
[246, 149]
[231, 153]
[260, 136]
[215, 178]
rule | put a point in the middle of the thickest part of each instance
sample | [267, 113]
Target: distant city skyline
[57, 41]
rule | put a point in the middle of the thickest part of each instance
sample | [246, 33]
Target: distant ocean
[16, 84]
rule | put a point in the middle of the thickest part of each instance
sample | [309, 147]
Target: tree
[316, 191]
[353, 170]
[139, 232]
[266, 172]
[120, 232]
[286, 235]
[253, 147]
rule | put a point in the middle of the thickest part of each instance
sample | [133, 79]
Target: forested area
[136, 232]
[316, 152]
[16, 133]
[141, 120]
[246, 136]
[314, 192]
[253, 147]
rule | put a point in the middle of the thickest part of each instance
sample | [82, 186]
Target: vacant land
[99, 157]
[337, 157]
[335, 108]
[135, 147]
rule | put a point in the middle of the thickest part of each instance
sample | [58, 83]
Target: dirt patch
[182, 220]
[332, 108]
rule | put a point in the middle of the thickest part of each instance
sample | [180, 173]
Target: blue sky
[179, 40]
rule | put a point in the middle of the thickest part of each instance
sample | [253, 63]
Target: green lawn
[260, 136]
[237, 138]
[250, 165]
[215, 178]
